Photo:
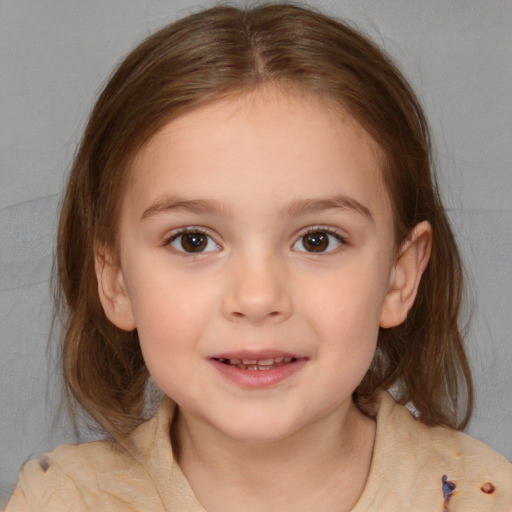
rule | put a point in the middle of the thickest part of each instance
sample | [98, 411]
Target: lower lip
[258, 379]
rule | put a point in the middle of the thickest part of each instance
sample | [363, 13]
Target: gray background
[54, 55]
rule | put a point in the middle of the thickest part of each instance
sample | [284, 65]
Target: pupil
[193, 242]
[315, 242]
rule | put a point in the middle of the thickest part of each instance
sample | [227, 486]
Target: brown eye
[315, 242]
[318, 241]
[193, 242]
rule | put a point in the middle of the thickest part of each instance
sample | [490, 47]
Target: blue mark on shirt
[448, 488]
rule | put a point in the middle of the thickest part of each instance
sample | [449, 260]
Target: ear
[406, 274]
[112, 290]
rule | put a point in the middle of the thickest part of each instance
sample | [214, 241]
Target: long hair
[208, 56]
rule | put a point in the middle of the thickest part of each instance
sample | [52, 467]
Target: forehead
[286, 144]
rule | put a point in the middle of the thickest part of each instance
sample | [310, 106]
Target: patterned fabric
[414, 468]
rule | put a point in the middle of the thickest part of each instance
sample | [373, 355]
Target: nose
[257, 291]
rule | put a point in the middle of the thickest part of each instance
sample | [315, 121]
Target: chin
[255, 429]
[256, 434]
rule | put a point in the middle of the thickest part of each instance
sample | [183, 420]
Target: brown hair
[204, 57]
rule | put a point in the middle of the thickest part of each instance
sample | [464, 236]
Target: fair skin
[287, 268]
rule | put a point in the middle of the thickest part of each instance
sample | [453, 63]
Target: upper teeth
[264, 362]
[259, 362]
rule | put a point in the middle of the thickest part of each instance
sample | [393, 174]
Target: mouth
[262, 364]
[258, 370]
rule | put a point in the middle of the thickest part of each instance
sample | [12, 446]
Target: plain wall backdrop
[54, 56]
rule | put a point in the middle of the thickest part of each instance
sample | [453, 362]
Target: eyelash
[322, 230]
[300, 239]
[168, 241]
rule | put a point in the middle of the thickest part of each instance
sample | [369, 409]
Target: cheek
[170, 326]
[166, 322]
[344, 309]
[348, 327]
[171, 310]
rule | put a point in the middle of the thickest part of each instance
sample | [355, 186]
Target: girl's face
[256, 256]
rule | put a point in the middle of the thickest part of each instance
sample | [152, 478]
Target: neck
[324, 465]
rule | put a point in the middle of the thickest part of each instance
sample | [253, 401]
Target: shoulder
[71, 475]
[460, 471]
[99, 475]
[476, 475]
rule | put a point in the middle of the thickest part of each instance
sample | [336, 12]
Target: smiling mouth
[257, 364]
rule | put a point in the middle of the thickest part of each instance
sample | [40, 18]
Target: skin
[266, 168]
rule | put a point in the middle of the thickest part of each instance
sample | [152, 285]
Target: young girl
[252, 222]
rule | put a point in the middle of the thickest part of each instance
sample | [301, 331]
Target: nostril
[237, 315]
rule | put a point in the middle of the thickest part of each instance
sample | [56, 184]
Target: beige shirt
[414, 468]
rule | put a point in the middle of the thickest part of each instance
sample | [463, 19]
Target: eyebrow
[306, 206]
[295, 209]
[200, 206]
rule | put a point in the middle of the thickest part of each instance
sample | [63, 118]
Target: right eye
[193, 242]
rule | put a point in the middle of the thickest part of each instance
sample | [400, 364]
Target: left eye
[318, 241]
[193, 242]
